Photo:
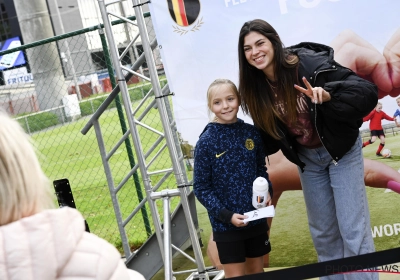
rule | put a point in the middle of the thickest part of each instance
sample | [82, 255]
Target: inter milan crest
[249, 144]
[185, 13]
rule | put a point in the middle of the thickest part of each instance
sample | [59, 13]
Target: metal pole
[69, 57]
[107, 171]
[180, 178]
[158, 93]
[127, 34]
[167, 237]
[124, 129]
[128, 110]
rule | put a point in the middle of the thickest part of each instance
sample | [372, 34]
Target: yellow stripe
[177, 12]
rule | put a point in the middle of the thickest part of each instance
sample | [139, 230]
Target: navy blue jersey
[227, 159]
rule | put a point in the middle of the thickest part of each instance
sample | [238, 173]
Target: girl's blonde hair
[24, 188]
[214, 87]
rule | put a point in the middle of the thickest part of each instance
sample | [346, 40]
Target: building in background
[79, 61]
[85, 50]
[9, 26]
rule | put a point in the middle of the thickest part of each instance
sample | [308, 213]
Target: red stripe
[183, 12]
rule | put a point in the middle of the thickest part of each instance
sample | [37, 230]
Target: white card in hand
[264, 212]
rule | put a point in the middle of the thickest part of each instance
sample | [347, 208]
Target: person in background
[397, 113]
[311, 108]
[228, 157]
[375, 126]
[38, 240]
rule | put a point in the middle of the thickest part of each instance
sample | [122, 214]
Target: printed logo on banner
[185, 13]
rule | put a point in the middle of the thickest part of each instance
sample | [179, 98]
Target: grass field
[66, 153]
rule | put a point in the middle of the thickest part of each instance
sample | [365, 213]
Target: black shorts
[377, 133]
[238, 251]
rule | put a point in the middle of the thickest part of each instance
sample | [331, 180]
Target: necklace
[273, 88]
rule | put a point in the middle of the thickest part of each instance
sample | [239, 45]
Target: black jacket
[336, 121]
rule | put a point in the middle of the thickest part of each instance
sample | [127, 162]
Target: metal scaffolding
[169, 239]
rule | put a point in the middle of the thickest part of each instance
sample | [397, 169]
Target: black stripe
[192, 9]
[366, 261]
[171, 10]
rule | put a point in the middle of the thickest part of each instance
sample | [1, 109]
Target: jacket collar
[214, 124]
[322, 55]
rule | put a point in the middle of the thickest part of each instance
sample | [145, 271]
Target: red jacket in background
[376, 119]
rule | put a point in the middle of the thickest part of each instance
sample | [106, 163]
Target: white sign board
[17, 76]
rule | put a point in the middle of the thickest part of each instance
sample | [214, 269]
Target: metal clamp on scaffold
[184, 186]
[165, 95]
[141, 4]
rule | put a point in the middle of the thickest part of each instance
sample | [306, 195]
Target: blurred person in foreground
[38, 241]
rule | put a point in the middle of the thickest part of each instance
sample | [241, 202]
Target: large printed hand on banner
[392, 55]
[357, 54]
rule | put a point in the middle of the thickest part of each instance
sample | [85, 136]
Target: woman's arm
[262, 170]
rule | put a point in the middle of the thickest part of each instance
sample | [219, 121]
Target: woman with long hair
[310, 107]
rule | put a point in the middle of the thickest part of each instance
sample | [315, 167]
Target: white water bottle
[260, 192]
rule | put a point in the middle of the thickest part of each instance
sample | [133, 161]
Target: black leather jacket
[336, 121]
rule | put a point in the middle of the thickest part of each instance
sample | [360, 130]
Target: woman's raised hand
[317, 94]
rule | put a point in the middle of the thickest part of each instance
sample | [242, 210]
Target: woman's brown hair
[257, 97]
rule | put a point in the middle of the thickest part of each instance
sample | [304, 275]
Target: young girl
[229, 156]
[375, 126]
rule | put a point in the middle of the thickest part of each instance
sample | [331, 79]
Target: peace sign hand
[317, 94]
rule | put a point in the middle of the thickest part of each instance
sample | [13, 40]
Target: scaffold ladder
[169, 135]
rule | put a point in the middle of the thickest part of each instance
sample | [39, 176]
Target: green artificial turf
[65, 152]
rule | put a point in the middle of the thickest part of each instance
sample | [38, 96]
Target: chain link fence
[64, 81]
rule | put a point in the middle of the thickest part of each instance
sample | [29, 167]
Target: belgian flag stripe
[180, 13]
[175, 8]
[183, 12]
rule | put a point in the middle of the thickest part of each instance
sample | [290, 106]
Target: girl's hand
[317, 94]
[237, 220]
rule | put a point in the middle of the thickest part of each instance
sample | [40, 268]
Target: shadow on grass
[392, 158]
